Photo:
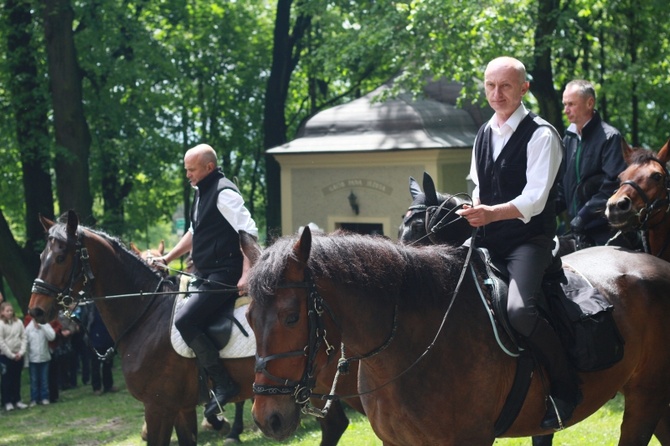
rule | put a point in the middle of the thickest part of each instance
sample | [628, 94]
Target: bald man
[217, 215]
[515, 162]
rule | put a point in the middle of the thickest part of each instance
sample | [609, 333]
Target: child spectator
[38, 336]
[12, 349]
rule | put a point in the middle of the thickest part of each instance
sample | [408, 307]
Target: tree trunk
[285, 57]
[542, 84]
[73, 138]
[20, 265]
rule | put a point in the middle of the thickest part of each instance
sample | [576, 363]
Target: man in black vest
[515, 162]
[217, 214]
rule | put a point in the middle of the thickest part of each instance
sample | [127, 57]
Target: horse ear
[135, 249]
[161, 247]
[46, 223]
[664, 153]
[72, 223]
[414, 188]
[429, 190]
[627, 151]
[250, 246]
[303, 246]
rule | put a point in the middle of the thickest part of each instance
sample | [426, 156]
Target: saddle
[581, 316]
[229, 331]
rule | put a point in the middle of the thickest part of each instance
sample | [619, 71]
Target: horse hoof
[217, 423]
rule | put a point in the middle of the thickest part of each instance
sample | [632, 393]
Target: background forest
[100, 98]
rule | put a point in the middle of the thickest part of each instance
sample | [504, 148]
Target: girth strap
[517, 394]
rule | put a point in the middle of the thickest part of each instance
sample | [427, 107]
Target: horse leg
[641, 417]
[238, 425]
[662, 432]
[543, 440]
[333, 425]
[159, 425]
[186, 426]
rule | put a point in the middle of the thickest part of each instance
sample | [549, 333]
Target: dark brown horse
[642, 202]
[431, 371]
[78, 262]
[295, 384]
[432, 217]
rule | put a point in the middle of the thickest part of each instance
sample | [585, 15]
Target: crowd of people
[57, 355]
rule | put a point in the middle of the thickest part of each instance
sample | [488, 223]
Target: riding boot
[224, 388]
[565, 393]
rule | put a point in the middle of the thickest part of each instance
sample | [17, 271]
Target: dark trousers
[54, 378]
[526, 265]
[101, 374]
[10, 389]
[207, 303]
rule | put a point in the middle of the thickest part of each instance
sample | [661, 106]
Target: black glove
[577, 225]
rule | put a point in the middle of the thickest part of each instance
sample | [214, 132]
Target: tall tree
[73, 139]
[19, 264]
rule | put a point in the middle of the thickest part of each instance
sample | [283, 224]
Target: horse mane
[641, 155]
[133, 265]
[372, 264]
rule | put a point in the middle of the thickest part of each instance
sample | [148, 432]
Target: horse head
[148, 255]
[432, 218]
[643, 199]
[60, 269]
[296, 335]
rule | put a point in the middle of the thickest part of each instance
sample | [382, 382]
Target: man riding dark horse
[217, 215]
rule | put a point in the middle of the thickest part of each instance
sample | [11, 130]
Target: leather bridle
[651, 208]
[302, 390]
[81, 271]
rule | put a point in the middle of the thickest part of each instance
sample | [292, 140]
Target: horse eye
[657, 176]
[292, 319]
[60, 258]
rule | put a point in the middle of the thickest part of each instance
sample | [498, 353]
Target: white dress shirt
[544, 155]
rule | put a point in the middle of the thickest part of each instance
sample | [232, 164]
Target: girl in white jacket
[39, 358]
[12, 348]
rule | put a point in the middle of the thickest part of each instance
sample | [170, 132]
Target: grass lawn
[83, 419]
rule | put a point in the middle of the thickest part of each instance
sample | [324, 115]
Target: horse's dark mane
[642, 156]
[374, 265]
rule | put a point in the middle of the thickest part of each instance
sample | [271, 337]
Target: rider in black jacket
[593, 161]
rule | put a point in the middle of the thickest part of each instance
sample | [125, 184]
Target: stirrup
[216, 400]
[556, 411]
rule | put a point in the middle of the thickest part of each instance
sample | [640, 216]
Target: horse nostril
[624, 204]
[36, 313]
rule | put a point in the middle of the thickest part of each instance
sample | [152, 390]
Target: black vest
[503, 180]
[216, 244]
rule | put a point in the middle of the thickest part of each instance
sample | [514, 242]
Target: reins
[431, 226]
[81, 270]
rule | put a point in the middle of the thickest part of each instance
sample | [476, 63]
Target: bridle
[433, 222]
[81, 270]
[651, 208]
[302, 389]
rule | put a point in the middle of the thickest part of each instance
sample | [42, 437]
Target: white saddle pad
[239, 346]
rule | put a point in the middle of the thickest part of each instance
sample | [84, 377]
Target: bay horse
[642, 202]
[430, 368]
[218, 423]
[79, 263]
